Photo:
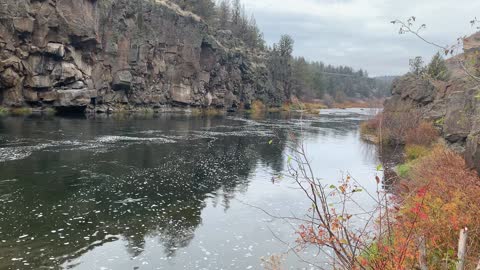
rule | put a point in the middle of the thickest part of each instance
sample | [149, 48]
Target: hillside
[453, 105]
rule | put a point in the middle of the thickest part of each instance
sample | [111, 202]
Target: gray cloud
[358, 33]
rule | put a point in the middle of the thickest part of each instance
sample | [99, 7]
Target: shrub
[257, 106]
[413, 152]
[403, 170]
[437, 69]
[424, 134]
[371, 126]
[441, 198]
[400, 126]
[314, 108]
[396, 124]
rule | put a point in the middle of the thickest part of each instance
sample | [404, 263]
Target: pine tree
[224, 13]
[437, 69]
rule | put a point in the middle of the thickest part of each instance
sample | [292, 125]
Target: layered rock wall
[107, 55]
[454, 106]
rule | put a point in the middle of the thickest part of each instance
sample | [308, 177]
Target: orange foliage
[442, 197]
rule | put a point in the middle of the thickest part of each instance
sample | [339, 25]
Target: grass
[358, 104]
[21, 111]
[414, 152]
[3, 111]
[440, 122]
[207, 112]
[307, 107]
[49, 111]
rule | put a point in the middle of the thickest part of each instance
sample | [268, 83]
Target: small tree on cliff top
[417, 66]
[437, 69]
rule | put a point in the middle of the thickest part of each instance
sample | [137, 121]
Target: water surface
[164, 192]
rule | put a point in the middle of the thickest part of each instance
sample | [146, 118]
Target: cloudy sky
[358, 33]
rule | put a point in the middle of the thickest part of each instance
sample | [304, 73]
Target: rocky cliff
[108, 55]
[454, 106]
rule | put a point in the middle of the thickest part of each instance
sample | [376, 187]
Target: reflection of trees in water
[136, 191]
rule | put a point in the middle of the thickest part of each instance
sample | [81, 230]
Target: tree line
[293, 76]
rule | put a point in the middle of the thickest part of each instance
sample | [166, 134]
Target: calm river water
[162, 192]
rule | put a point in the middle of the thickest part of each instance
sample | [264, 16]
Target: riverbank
[436, 195]
[257, 107]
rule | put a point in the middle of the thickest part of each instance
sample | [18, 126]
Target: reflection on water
[166, 192]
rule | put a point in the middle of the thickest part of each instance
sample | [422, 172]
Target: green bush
[437, 69]
[414, 152]
[403, 170]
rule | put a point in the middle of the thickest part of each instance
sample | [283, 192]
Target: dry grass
[21, 111]
[374, 103]
[258, 106]
[207, 112]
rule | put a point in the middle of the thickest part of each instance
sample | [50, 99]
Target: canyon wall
[112, 55]
[453, 105]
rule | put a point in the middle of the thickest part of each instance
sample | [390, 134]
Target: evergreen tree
[224, 13]
[437, 69]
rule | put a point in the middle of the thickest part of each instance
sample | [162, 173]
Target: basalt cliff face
[454, 106]
[108, 55]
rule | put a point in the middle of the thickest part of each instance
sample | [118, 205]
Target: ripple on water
[114, 139]
[100, 144]
[19, 152]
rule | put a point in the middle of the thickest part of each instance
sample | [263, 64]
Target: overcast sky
[358, 33]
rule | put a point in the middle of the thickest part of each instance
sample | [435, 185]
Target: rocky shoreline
[106, 56]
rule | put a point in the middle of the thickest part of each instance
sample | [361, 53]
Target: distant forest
[295, 76]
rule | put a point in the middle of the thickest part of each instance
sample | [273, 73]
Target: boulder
[23, 25]
[472, 151]
[72, 98]
[181, 93]
[13, 62]
[39, 82]
[415, 89]
[49, 96]
[66, 73]
[55, 49]
[9, 78]
[458, 123]
[122, 80]
[30, 95]
[77, 85]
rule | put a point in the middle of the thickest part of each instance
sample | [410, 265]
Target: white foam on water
[114, 139]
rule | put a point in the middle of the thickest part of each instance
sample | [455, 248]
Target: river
[169, 191]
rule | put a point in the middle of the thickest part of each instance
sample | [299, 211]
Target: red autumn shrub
[443, 198]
